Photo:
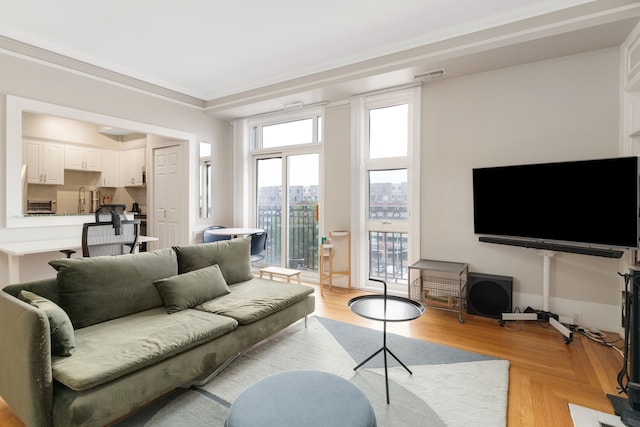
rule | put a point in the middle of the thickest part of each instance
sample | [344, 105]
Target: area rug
[587, 417]
[448, 387]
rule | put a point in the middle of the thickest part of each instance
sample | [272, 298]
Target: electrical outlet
[577, 319]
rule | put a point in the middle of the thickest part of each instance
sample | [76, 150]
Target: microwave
[41, 206]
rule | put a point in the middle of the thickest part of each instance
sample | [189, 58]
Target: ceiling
[243, 57]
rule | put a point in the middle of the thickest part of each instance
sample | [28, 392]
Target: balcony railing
[388, 259]
[388, 251]
[303, 236]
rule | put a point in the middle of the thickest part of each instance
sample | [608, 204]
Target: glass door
[287, 190]
[269, 205]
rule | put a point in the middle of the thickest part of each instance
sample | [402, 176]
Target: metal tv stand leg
[544, 314]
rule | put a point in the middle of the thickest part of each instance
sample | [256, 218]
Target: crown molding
[43, 56]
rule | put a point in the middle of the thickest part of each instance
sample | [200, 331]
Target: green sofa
[110, 334]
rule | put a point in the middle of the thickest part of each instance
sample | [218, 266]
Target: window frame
[362, 164]
[256, 124]
[255, 152]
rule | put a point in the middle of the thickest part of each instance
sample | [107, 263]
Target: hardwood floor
[545, 373]
[7, 417]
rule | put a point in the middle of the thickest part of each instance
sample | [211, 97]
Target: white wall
[555, 110]
[337, 169]
[561, 109]
[56, 86]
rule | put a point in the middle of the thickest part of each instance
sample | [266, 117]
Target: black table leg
[386, 350]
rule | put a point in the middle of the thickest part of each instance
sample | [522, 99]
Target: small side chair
[210, 237]
[258, 246]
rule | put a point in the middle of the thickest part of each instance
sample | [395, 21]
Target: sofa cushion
[190, 289]
[94, 290]
[62, 337]
[112, 349]
[46, 288]
[255, 299]
[233, 256]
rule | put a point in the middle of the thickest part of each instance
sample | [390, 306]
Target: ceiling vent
[430, 75]
[293, 105]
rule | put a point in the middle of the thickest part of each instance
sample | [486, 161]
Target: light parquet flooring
[545, 373]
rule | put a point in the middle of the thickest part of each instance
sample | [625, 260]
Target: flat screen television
[589, 202]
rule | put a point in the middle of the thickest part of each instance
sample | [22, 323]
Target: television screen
[588, 202]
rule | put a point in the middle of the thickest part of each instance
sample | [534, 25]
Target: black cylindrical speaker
[489, 295]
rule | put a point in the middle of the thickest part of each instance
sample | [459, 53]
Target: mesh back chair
[112, 213]
[258, 246]
[208, 237]
[100, 238]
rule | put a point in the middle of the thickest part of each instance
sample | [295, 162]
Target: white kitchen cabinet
[134, 167]
[44, 161]
[109, 176]
[82, 158]
[631, 93]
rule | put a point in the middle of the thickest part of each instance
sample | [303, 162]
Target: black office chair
[112, 213]
[208, 237]
[258, 246]
[68, 252]
[100, 238]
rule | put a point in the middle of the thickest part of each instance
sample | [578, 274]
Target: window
[388, 194]
[286, 130]
[388, 131]
[287, 133]
[286, 170]
[388, 148]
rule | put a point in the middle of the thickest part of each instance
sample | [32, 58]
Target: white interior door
[167, 162]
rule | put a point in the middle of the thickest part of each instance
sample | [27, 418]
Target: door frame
[283, 153]
[187, 200]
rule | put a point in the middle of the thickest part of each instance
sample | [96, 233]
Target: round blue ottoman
[301, 398]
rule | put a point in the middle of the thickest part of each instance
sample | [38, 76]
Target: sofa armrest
[25, 361]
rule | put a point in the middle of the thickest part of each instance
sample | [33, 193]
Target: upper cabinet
[134, 167]
[82, 158]
[631, 94]
[109, 175]
[44, 162]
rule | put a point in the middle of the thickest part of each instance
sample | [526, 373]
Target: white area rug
[448, 387]
[585, 417]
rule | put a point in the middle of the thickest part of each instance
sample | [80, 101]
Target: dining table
[234, 231]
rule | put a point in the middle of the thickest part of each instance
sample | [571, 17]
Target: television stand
[544, 314]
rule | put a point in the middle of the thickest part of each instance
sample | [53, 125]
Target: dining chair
[258, 246]
[210, 237]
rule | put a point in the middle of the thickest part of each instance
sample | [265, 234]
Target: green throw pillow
[233, 256]
[193, 288]
[63, 340]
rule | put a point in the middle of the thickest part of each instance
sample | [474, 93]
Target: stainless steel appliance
[41, 207]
